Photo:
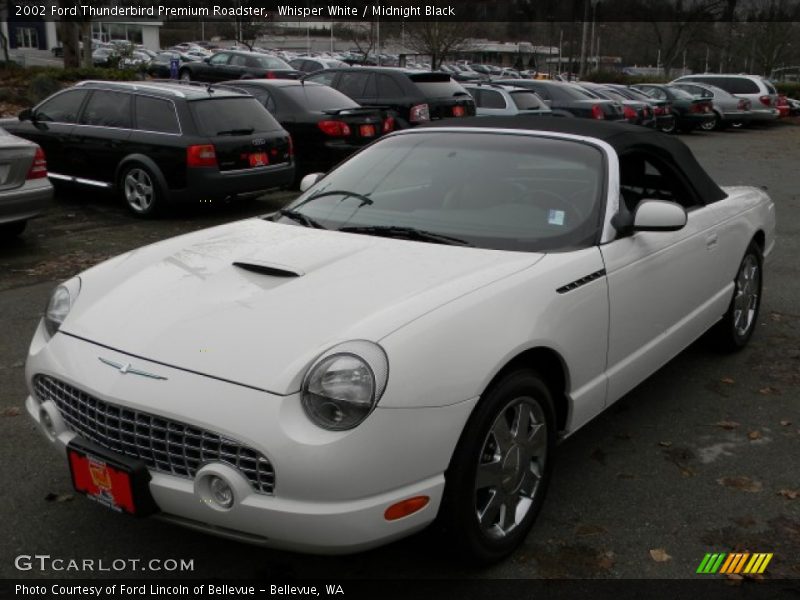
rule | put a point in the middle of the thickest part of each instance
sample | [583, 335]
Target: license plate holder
[117, 482]
[367, 130]
[259, 159]
[458, 111]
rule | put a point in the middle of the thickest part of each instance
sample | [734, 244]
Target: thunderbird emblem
[259, 141]
[128, 368]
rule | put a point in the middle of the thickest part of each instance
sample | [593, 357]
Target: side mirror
[309, 180]
[26, 115]
[659, 215]
[207, 59]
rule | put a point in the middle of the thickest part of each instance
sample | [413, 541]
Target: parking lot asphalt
[702, 457]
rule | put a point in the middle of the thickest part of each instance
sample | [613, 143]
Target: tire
[671, 128]
[185, 75]
[491, 471]
[736, 328]
[712, 125]
[12, 230]
[140, 191]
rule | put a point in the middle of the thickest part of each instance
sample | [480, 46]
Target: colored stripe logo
[736, 562]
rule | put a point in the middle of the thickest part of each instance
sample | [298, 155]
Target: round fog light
[221, 492]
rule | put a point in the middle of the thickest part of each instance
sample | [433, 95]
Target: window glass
[388, 87]
[318, 97]
[643, 177]
[219, 59]
[62, 108]
[491, 99]
[543, 194]
[325, 78]
[155, 114]
[219, 116]
[352, 84]
[108, 109]
[237, 60]
[526, 100]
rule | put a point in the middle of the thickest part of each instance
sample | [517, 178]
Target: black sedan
[636, 112]
[690, 112]
[237, 64]
[566, 101]
[326, 126]
[662, 110]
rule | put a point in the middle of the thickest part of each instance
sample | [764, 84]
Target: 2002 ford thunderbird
[407, 340]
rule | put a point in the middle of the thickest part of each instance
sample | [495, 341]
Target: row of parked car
[204, 137]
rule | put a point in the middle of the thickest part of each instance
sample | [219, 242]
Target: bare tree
[5, 10]
[688, 19]
[363, 35]
[439, 39]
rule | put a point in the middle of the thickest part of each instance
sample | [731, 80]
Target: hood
[293, 293]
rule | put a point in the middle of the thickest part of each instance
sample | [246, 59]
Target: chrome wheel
[139, 190]
[745, 300]
[510, 467]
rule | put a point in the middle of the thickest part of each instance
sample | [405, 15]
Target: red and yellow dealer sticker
[725, 563]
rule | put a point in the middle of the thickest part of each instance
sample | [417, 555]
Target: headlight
[60, 303]
[344, 385]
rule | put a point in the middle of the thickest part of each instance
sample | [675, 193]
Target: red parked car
[783, 106]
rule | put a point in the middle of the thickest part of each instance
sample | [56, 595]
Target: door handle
[711, 241]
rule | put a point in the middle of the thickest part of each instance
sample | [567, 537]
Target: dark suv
[157, 142]
[413, 96]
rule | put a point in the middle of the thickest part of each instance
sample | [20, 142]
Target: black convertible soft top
[623, 137]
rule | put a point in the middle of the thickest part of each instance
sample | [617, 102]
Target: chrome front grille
[162, 444]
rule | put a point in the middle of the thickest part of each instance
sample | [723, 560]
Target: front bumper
[331, 488]
[208, 184]
[25, 202]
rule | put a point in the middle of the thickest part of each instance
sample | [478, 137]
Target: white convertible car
[407, 341]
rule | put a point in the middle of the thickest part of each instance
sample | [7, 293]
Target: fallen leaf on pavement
[598, 455]
[626, 476]
[754, 435]
[786, 422]
[588, 529]
[769, 390]
[745, 521]
[606, 561]
[51, 497]
[665, 444]
[11, 411]
[727, 380]
[742, 483]
[727, 424]
[790, 494]
[660, 555]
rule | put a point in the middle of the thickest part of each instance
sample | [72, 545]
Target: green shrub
[790, 88]
[42, 86]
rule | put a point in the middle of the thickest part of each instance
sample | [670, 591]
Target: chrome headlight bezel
[368, 358]
[59, 305]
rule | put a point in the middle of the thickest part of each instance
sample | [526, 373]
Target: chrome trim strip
[581, 282]
[59, 176]
[255, 170]
[101, 184]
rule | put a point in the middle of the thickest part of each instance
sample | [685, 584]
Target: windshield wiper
[236, 131]
[365, 200]
[304, 220]
[407, 233]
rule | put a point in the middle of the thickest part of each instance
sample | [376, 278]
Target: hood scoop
[265, 268]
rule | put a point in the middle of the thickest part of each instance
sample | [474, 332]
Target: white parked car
[408, 339]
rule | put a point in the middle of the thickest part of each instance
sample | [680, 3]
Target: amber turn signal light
[405, 508]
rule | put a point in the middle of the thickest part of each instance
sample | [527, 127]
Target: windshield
[319, 97]
[508, 192]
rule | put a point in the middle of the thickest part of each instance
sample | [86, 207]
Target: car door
[52, 123]
[99, 139]
[216, 69]
[665, 287]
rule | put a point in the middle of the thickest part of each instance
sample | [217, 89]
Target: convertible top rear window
[501, 191]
